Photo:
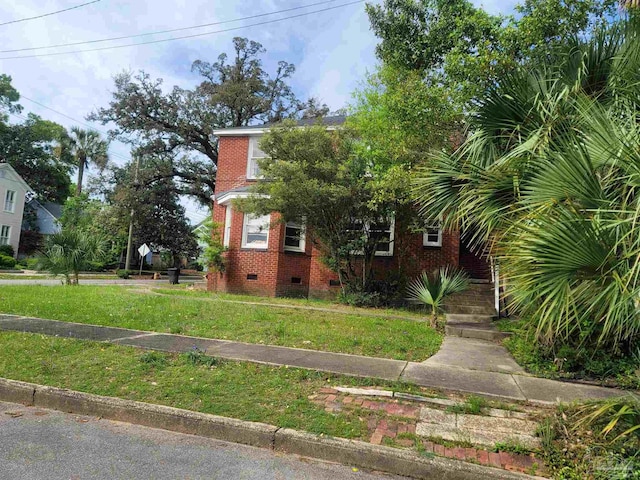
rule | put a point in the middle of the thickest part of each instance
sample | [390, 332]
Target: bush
[32, 263]
[7, 261]
[95, 267]
[121, 273]
[7, 250]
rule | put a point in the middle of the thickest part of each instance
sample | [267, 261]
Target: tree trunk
[434, 318]
[80, 175]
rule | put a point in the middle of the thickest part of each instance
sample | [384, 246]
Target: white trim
[14, 194]
[7, 239]
[227, 197]
[266, 226]
[425, 237]
[226, 237]
[241, 132]
[301, 247]
[392, 231]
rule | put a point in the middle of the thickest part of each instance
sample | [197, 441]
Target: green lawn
[121, 307]
[274, 395]
[181, 290]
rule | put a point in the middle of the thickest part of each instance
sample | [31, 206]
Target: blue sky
[332, 50]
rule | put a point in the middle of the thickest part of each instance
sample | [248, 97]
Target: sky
[332, 50]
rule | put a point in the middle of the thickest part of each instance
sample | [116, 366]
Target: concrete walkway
[512, 386]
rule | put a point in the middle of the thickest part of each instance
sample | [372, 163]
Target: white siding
[8, 181]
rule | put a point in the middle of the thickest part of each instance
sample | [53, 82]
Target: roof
[19, 179]
[330, 122]
[224, 198]
[54, 209]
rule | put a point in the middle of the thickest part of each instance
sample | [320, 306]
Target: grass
[121, 307]
[274, 395]
[473, 405]
[301, 302]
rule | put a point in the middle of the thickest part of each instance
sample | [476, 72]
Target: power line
[185, 36]
[166, 31]
[49, 14]
[75, 120]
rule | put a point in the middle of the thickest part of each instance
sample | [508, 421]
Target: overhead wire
[49, 14]
[183, 37]
[160, 32]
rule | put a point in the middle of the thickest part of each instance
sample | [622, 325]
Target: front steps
[470, 314]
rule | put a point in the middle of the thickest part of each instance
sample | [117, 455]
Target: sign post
[143, 251]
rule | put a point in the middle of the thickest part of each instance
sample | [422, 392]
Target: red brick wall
[233, 154]
[275, 267]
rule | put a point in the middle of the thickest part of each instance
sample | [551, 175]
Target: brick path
[395, 423]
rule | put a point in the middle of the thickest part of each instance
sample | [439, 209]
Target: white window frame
[253, 172]
[425, 235]
[10, 205]
[392, 227]
[245, 221]
[5, 240]
[226, 238]
[302, 245]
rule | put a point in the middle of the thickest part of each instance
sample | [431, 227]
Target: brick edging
[350, 452]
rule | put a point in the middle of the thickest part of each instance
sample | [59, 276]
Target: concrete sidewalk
[512, 386]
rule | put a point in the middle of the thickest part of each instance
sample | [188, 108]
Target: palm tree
[70, 251]
[548, 179]
[86, 147]
[432, 289]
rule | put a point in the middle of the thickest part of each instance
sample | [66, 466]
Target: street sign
[144, 250]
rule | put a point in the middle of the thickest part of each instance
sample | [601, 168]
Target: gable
[9, 176]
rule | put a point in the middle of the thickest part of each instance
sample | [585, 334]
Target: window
[432, 236]
[10, 201]
[226, 238]
[255, 155]
[5, 232]
[255, 232]
[294, 240]
[381, 232]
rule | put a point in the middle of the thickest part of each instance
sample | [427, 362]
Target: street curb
[349, 452]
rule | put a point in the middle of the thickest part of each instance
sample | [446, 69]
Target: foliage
[431, 290]
[464, 49]
[598, 440]
[473, 405]
[211, 238]
[178, 125]
[86, 147]
[316, 175]
[7, 250]
[197, 356]
[29, 147]
[69, 252]
[124, 274]
[155, 359]
[159, 219]
[610, 369]
[6, 261]
[546, 181]
[8, 97]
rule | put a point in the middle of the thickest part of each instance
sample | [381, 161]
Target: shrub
[95, 266]
[7, 261]
[32, 263]
[121, 273]
[7, 250]
[431, 290]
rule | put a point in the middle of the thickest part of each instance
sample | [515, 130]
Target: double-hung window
[255, 231]
[226, 238]
[10, 201]
[294, 237]
[5, 233]
[381, 232]
[255, 155]
[432, 235]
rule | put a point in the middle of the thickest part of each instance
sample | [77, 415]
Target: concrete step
[477, 331]
[470, 309]
[453, 318]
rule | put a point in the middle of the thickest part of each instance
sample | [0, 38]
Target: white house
[13, 192]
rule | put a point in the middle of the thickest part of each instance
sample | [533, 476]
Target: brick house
[266, 257]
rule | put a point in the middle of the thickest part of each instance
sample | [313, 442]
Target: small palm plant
[431, 290]
[69, 252]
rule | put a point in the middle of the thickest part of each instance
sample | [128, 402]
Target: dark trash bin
[174, 275]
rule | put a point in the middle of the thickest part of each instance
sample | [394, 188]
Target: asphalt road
[38, 444]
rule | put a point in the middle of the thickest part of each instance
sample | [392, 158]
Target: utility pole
[127, 263]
